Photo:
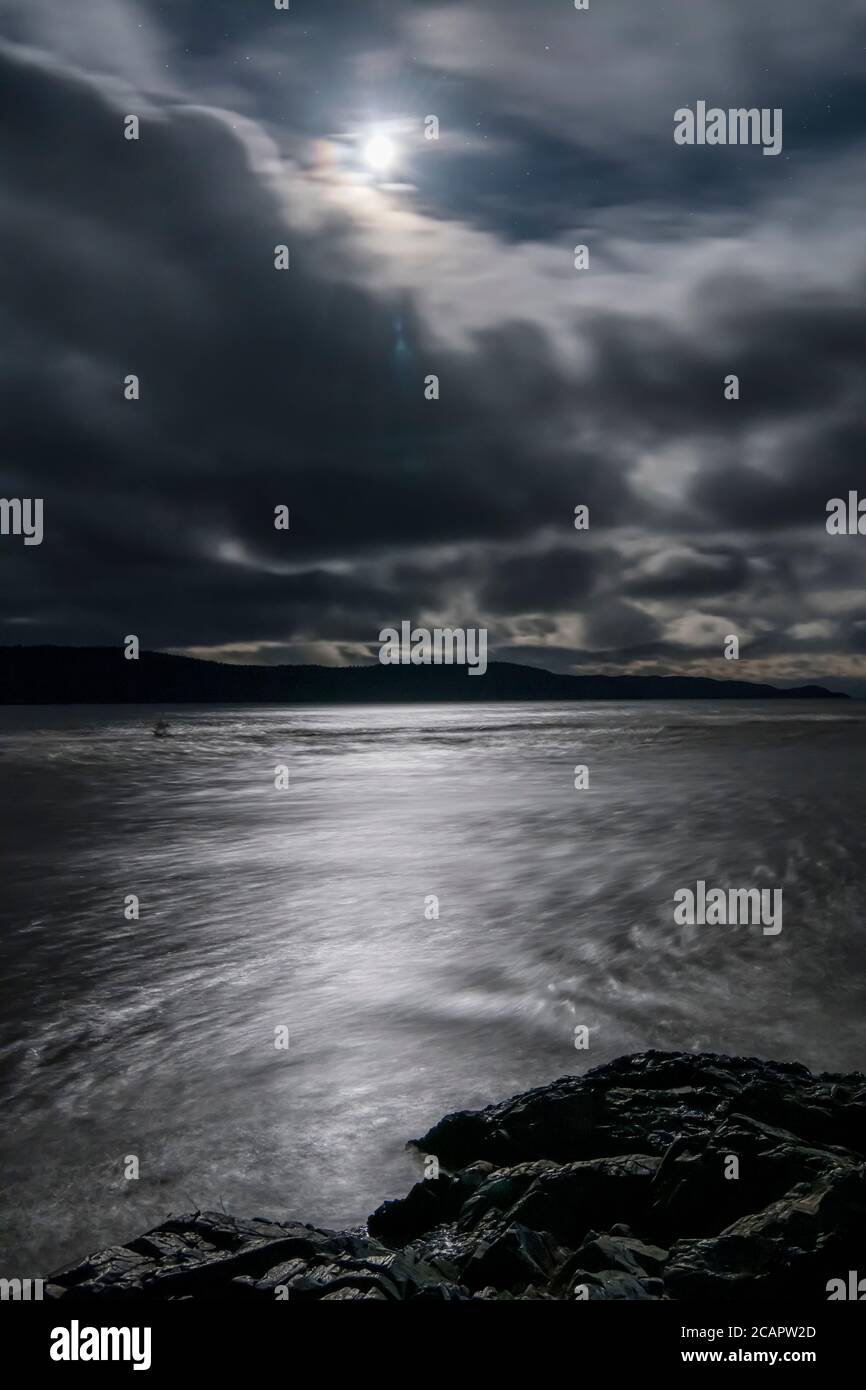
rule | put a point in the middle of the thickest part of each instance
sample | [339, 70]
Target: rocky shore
[657, 1176]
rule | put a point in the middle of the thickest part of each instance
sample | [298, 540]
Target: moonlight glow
[379, 153]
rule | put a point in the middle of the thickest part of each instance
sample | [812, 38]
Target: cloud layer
[557, 386]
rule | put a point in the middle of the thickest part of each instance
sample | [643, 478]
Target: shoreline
[657, 1176]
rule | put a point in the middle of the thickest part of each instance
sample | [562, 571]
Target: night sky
[558, 387]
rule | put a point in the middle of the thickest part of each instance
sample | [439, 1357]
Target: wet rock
[696, 1193]
[791, 1248]
[642, 1103]
[117, 1271]
[502, 1188]
[568, 1199]
[607, 1285]
[428, 1204]
[614, 1284]
[623, 1253]
[514, 1259]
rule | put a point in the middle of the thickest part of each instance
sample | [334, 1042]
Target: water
[305, 908]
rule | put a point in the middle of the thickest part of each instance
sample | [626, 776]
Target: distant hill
[101, 675]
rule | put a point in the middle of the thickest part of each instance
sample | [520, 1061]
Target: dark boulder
[815, 1233]
[513, 1260]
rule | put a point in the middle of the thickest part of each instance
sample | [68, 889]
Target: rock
[642, 1103]
[428, 1204]
[225, 1258]
[624, 1253]
[516, 1258]
[567, 1199]
[613, 1284]
[791, 1248]
[692, 1193]
[117, 1271]
[617, 1185]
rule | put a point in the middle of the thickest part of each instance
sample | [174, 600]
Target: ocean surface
[304, 909]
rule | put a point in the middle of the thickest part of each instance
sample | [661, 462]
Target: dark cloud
[619, 626]
[554, 581]
[677, 574]
[306, 388]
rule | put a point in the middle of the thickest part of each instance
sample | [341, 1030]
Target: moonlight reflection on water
[310, 910]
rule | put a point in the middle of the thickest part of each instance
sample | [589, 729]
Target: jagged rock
[567, 1199]
[116, 1271]
[226, 1258]
[516, 1258]
[348, 1292]
[624, 1253]
[451, 1249]
[601, 1257]
[791, 1248]
[501, 1190]
[642, 1103]
[693, 1195]
[615, 1185]
[428, 1204]
[613, 1284]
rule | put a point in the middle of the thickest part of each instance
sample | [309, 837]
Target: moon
[379, 153]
